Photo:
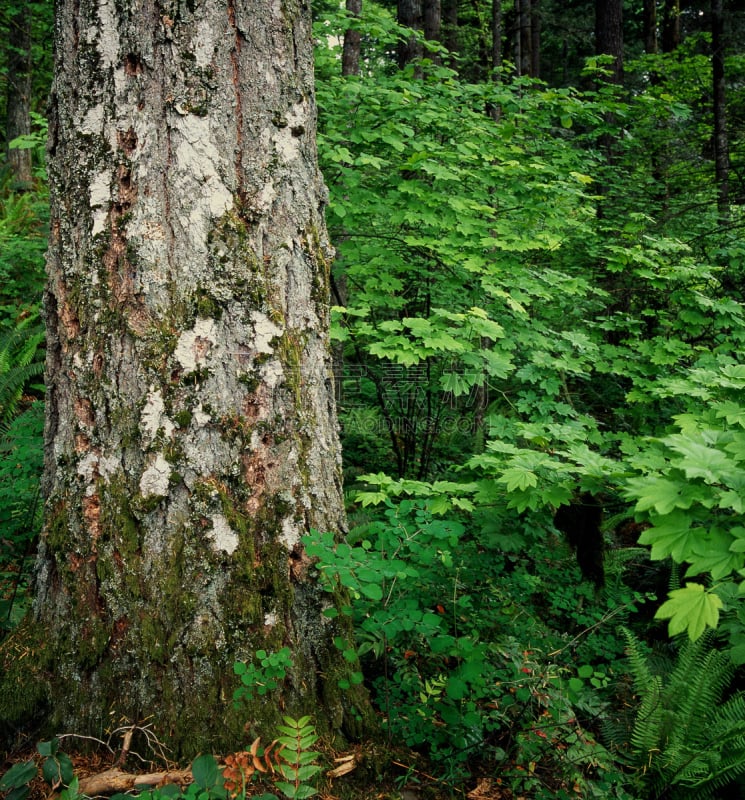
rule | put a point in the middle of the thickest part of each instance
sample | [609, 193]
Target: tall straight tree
[721, 140]
[609, 35]
[670, 25]
[191, 436]
[18, 89]
[350, 57]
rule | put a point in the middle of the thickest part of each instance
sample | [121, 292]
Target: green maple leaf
[661, 494]
[691, 609]
[518, 478]
[671, 535]
[699, 460]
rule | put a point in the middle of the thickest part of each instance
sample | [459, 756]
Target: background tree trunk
[535, 39]
[524, 37]
[609, 35]
[431, 23]
[649, 25]
[191, 435]
[670, 25]
[451, 32]
[350, 56]
[18, 95]
[721, 141]
[496, 31]
[409, 14]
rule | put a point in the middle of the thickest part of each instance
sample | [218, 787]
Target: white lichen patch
[286, 142]
[264, 332]
[154, 416]
[203, 46]
[200, 417]
[154, 480]
[194, 345]
[100, 195]
[290, 534]
[197, 156]
[270, 619]
[87, 467]
[93, 121]
[223, 537]
[272, 374]
[108, 32]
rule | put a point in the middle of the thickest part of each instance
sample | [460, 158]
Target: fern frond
[640, 671]
[686, 742]
[21, 360]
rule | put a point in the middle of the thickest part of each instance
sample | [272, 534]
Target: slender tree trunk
[721, 141]
[496, 32]
[524, 37]
[535, 39]
[431, 23]
[649, 24]
[450, 26]
[18, 95]
[609, 35]
[409, 14]
[191, 436]
[350, 57]
[670, 25]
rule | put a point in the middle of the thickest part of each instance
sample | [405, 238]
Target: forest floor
[375, 775]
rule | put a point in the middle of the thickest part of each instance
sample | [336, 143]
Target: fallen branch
[116, 780]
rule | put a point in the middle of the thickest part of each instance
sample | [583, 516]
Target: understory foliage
[538, 343]
[686, 739]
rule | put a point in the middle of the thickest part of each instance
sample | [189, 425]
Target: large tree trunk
[18, 94]
[191, 436]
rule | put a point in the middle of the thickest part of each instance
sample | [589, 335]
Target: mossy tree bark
[191, 436]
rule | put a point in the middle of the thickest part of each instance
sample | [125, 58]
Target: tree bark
[191, 434]
[18, 93]
[410, 15]
[721, 140]
[350, 56]
[451, 37]
[496, 31]
[670, 25]
[609, 35]
[431, 20]
[524, 37]
[535, 39]
[649, 25]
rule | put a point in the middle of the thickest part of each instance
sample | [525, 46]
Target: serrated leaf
[690, 609]
[699, 460]
[671, 535]
[518, 479]
[661, 494]
[714, 554]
